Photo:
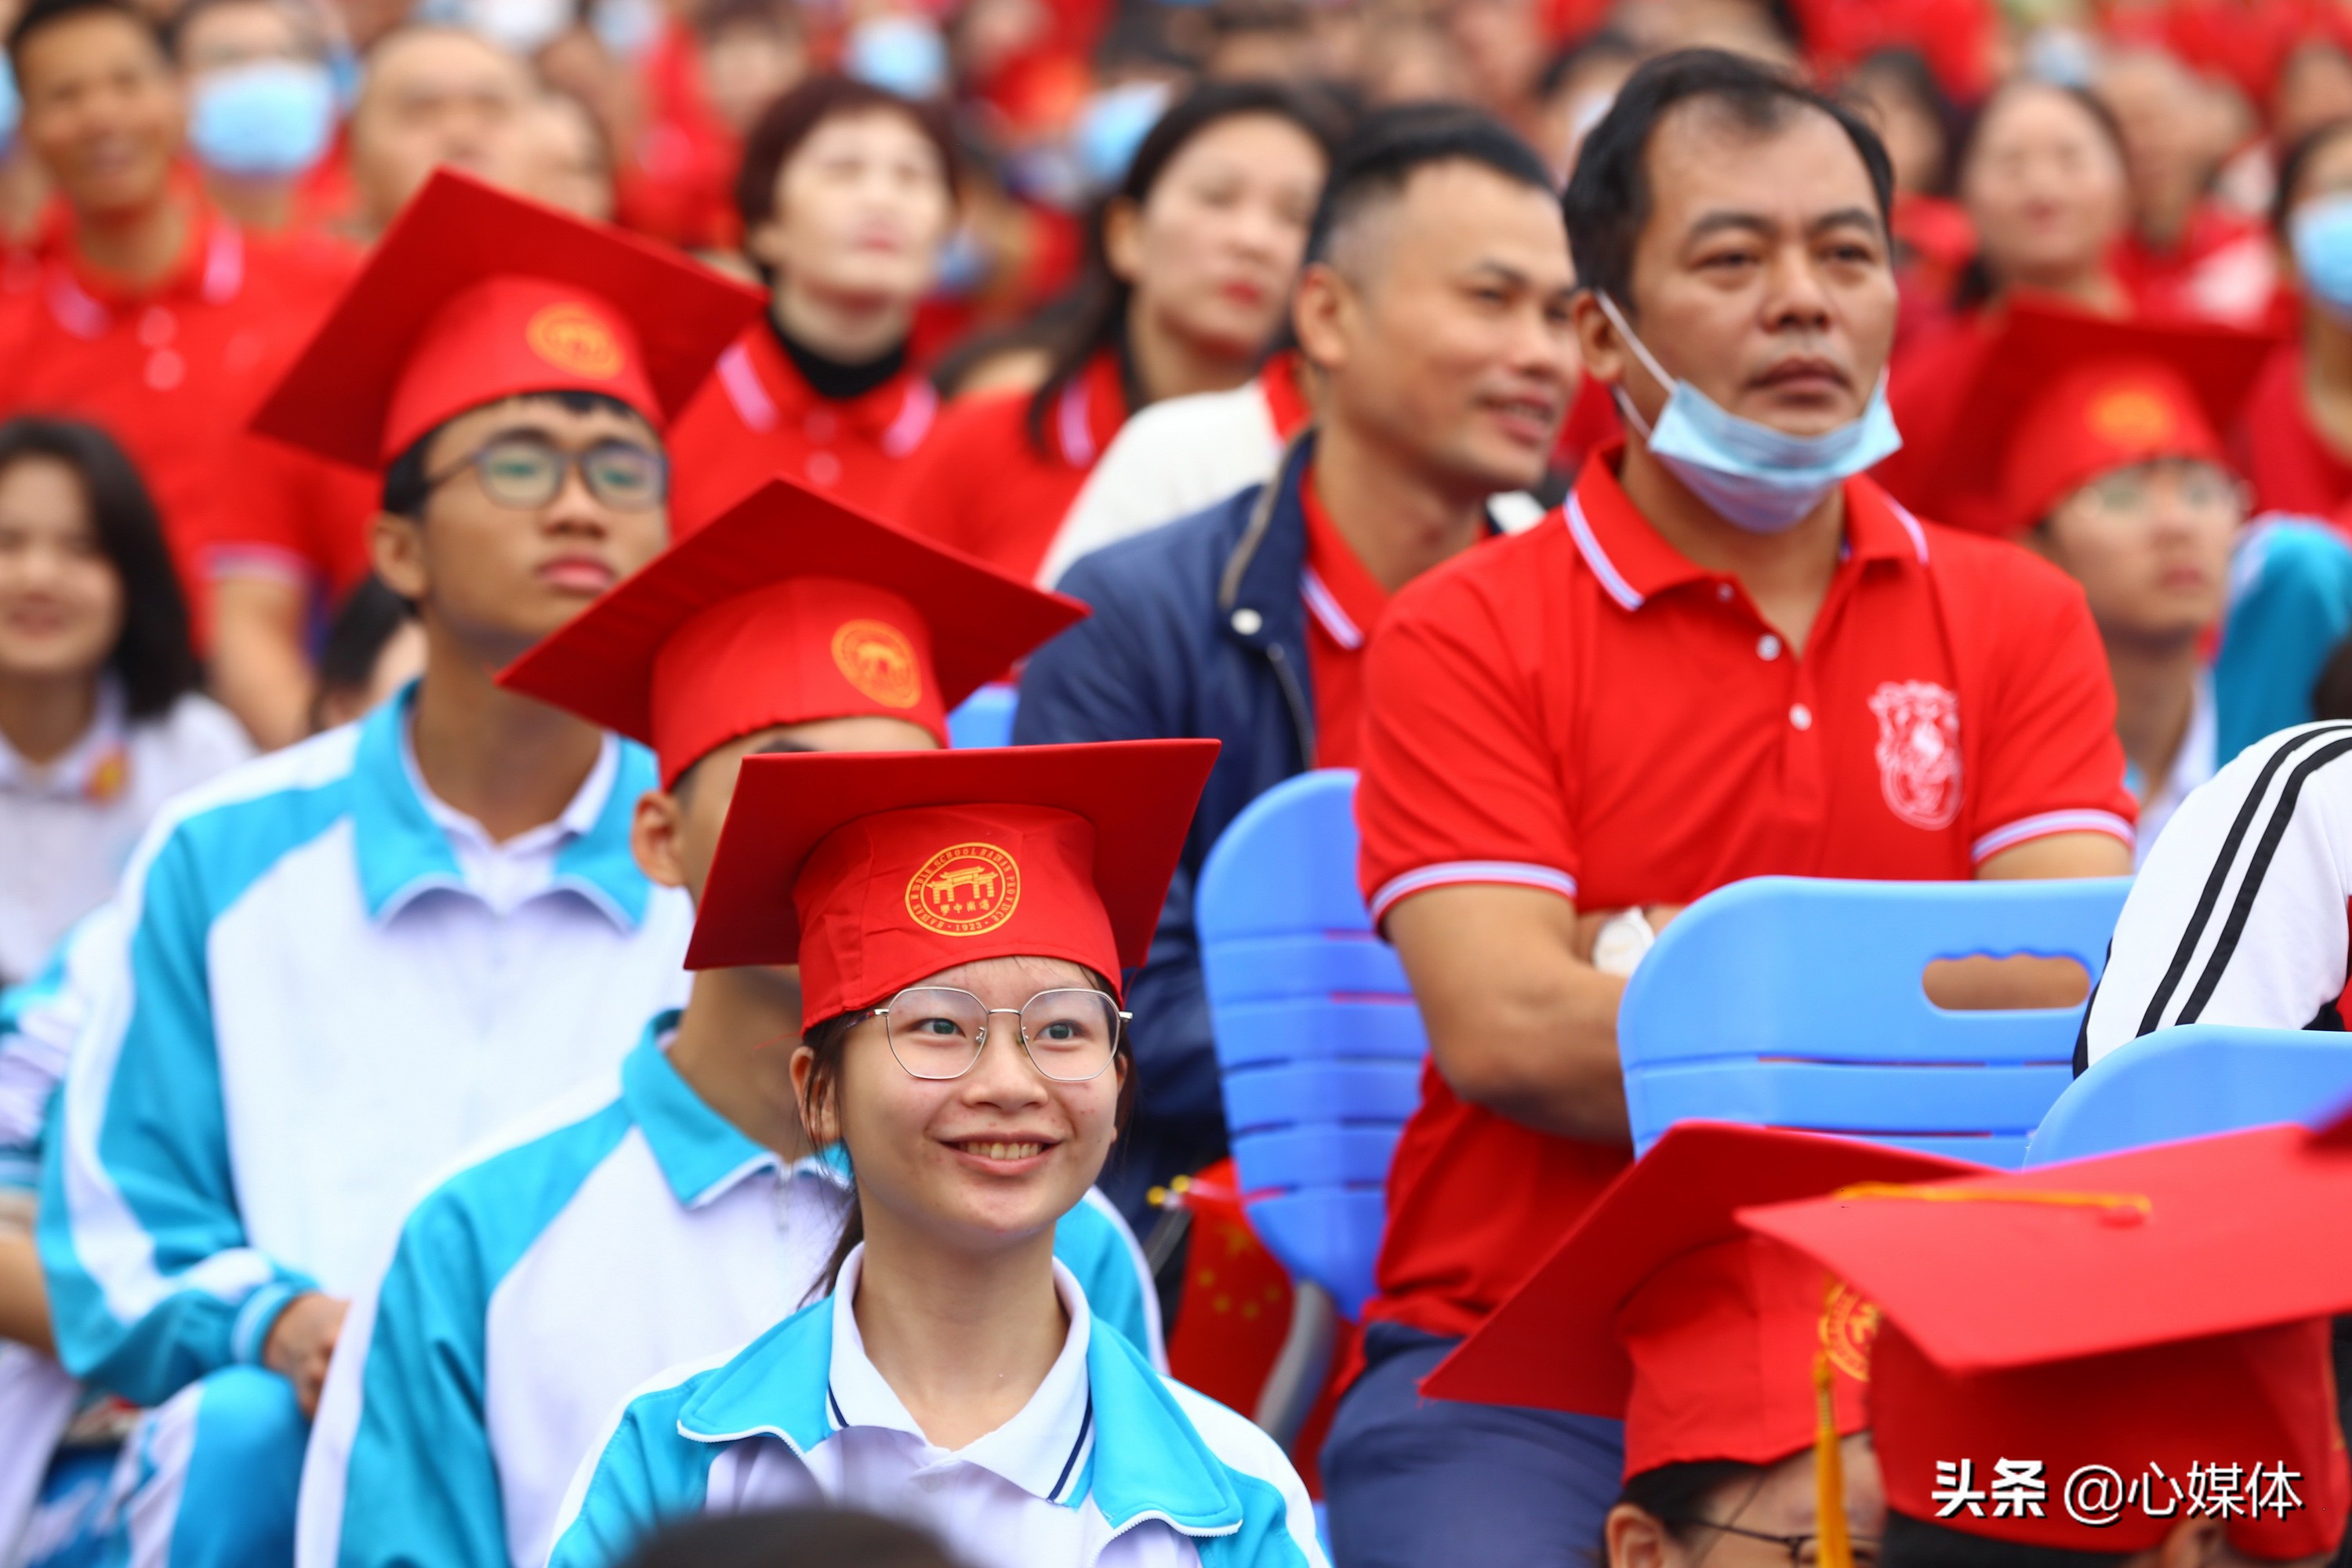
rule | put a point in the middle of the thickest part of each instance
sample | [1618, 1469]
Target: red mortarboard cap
[2060, 397]
[789, 607]
[1660, 1310]
[874, 869]
[474, 295]
[2127, 1317]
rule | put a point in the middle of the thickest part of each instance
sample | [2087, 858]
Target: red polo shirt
[1581, 710]
[758, 416]
[2291, 465]
[1344, 603]
[173, 371]
[980, 484]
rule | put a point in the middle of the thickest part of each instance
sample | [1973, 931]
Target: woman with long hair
[958, 917]
[1187, 279]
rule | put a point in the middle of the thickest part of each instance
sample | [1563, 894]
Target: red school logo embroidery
[1918, 750]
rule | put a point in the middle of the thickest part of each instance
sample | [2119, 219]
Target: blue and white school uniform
[1111, 1463]
[320, 986]
[634, 1229]
[2290, 603]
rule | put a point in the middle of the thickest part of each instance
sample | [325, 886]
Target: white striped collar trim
[224, 264]
[1450, 873]
[2047, 822]
[740, 377]
[1327, 612]
[1070, 422]
[914, 422]
[1612, 581]
[1910, 526]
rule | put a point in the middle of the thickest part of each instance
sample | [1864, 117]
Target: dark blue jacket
[1199, 629]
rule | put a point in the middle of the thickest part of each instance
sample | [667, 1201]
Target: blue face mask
[1753, 476]
[2321, 234]
[904, 55]
[12, 109]
[1110, 126]
[264, 121]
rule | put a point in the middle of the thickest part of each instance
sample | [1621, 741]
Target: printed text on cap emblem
[965, 889]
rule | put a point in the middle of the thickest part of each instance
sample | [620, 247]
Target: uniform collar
[1343, 595]
[402, 852]
[1131, 1448]
[1088, 411]
[210, 269]
[768, 391]
[702, 1156]
[1635, 563]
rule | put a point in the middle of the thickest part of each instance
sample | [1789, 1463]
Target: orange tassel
[1828, 1473]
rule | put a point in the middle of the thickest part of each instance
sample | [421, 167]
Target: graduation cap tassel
[1829, 1471]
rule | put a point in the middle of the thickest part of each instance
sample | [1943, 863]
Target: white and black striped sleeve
[2239, 912]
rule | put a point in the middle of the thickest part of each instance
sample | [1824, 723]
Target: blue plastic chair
[2193, 1082]
[1319, 1041]
[985, 719]
[1793, 1002]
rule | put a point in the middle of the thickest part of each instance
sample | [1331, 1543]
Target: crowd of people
[499, 500]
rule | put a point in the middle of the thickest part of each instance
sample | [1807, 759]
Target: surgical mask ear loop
[1649, 362]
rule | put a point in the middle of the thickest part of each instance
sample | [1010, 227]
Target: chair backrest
[1796, 1002]
[1317, 1037]
[2189, 1082]
[985, 719]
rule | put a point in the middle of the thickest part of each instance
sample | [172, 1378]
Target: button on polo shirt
[1582, 710]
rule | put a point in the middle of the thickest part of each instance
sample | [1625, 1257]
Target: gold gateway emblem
[876, 658]
[2132, 417]
[1849, 1324]
[575, 339]
[965, 889]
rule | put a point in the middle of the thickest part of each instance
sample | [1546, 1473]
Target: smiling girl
[957, 916]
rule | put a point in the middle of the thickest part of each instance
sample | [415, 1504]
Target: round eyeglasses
[526, 470]
[938, 1032]
[1804, 1551]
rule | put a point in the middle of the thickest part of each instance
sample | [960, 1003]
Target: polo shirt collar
[402, 852]
[769, 391]
[1633, 561]
[209, 270]
[1130, 1447]
[702, 1156]
[1341, 592]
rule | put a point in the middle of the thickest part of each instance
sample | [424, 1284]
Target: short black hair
[407, 483]
[1920, 1543]
[797, 115]
[1608, 199]
[792, 1538]
[1678, 1495]
[2292, 168]
[1389, 146]
[153, 656]
[41, 13]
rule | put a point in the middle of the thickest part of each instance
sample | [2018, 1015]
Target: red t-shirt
[1344, 603]
[2222, 269]
[981, 485]
[1581, 710]
[757, 416]
[173, 372]
[2290, 463]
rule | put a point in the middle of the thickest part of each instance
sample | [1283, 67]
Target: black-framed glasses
[938, 1031]
[526, 470]
[1804, 1551]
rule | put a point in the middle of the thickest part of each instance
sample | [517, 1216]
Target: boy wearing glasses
[340, 966]
[675, 1209]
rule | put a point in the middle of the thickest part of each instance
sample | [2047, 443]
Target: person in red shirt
[1433, 310]
[1728, 656]
[1191, 268]
[154, 317]
[846, 194]
[2294, 443]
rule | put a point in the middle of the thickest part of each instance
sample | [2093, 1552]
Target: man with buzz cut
[337, 967]
[675, 1209]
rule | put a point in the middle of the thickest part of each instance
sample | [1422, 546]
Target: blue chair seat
[2193, 1082]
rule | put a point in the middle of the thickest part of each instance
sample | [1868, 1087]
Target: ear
[1598, 340]
[765, 243]
[396, 549]
[1633, 1538]
[817, 1120]
[654, 838]
[1123, 239]
[1321, 312]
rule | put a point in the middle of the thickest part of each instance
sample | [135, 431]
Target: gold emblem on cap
[574, 339]
[2132, 417]
[965, 889]
[877, 658]
[1849, 1324]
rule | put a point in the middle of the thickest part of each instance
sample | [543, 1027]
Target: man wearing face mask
[261, 104]
[1727, 655]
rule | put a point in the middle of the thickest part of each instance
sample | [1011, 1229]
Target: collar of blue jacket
[402, 852]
